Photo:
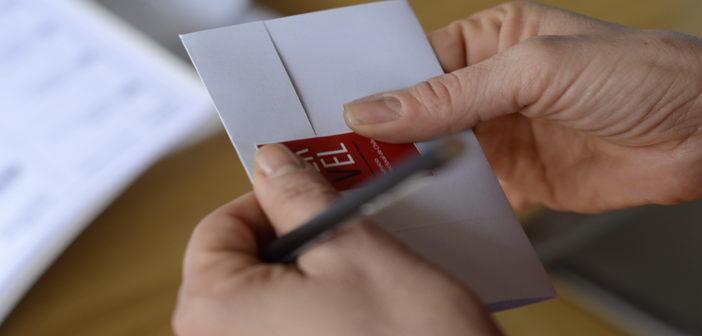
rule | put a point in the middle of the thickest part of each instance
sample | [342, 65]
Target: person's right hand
[359, 281]
[571, 112]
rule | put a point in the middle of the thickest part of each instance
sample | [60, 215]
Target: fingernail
[372, 110]
[276, 159]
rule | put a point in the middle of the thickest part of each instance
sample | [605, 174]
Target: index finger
[228, 239]
[486, 33]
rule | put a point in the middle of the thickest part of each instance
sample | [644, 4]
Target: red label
[349, 159]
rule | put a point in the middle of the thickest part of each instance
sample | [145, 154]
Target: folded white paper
[284, 79]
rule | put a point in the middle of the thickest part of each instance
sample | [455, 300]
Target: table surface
[120, 276]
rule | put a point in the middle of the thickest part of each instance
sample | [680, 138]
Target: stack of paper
[86, 106]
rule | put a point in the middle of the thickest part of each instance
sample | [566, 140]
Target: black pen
[359, 202]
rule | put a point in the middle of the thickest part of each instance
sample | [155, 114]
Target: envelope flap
[335, 56]
[249, 86]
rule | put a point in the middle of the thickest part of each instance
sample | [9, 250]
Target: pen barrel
[288, 247]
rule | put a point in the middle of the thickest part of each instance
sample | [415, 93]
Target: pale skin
[571, 112]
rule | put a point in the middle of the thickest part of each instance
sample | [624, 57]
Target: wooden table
[120, 276]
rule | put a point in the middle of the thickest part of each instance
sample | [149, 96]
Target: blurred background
[634, 271]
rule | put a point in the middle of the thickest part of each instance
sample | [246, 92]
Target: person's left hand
[359, 282]
[571, 112]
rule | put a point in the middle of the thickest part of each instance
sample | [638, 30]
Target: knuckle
[305, 187]
[677, 47]
[518, 7]
[544, 48]
[438, 98]
[541, 58]
[450, 101]
[350, 244]
[508, 9]
[433, 94]
[659, 38]
[181, 323]
[199, 261]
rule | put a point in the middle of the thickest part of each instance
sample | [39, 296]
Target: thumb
[290, 192]
[449, 103]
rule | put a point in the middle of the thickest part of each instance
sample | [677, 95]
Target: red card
[349, 159]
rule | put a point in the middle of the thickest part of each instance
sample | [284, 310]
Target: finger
[486, 33]
[539, 78]
[502, 75]
[449, 103]
[291, 192]
[227, 240]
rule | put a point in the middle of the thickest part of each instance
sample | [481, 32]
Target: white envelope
[284, 79]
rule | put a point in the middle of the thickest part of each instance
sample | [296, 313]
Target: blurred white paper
[85, 105]
[284, 79]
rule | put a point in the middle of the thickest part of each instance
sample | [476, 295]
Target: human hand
[361, 281]
[571, 112]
